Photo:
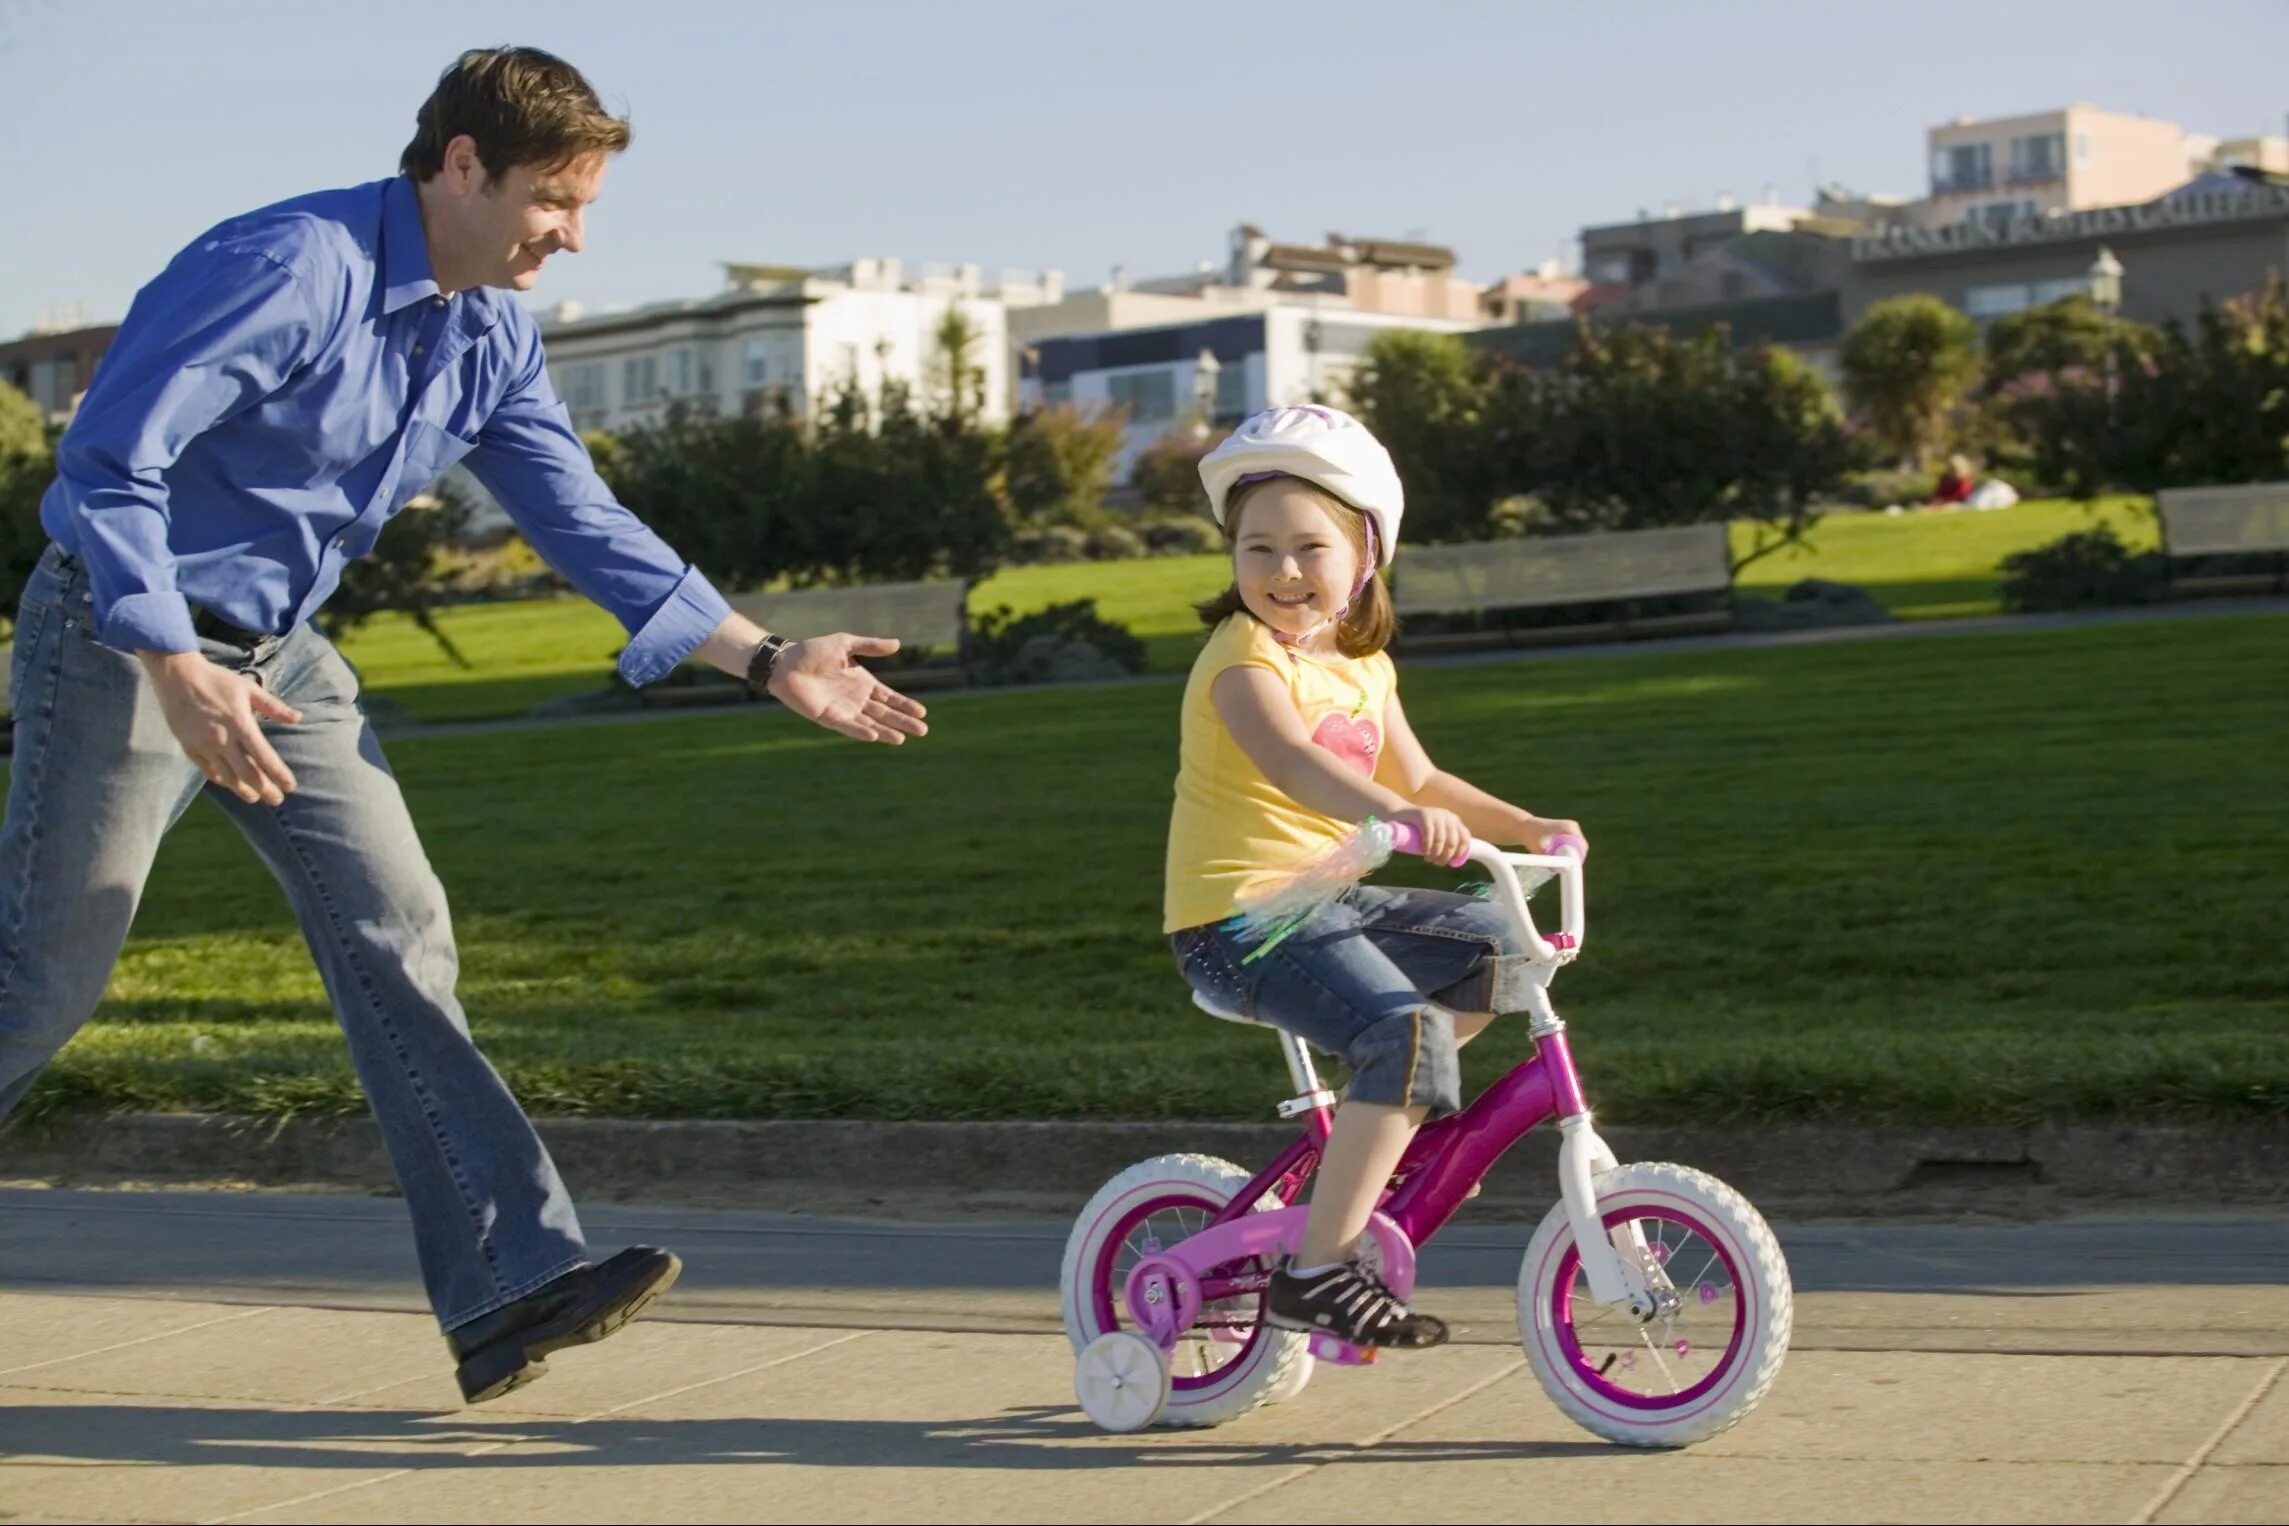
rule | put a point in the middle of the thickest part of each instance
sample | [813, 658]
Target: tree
[1425, 395]
[1638, 428]
[1167, 472]
[869, 488]
[2065, 336]
[1906, 365]
[957, 378]
[2171, 409]
[1059, 465]
[27, 466]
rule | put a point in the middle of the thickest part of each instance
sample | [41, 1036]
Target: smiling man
[274, 397]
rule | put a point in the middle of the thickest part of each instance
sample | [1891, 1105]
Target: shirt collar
[406, 274]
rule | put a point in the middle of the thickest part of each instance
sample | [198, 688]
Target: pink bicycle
[1653, 1301]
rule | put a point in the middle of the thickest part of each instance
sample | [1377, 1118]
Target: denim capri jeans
[1374, 979]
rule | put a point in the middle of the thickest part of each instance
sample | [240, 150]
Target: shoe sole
[1298, 1327]
[503, 1369]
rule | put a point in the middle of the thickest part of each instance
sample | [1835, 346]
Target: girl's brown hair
[1372, 622]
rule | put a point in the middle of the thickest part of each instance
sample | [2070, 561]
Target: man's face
[506, 226]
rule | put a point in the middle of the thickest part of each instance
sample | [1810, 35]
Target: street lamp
[2106, 296]
[2106, 282]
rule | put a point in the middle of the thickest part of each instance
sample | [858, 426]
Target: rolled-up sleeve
[529, 457]
[217, 332]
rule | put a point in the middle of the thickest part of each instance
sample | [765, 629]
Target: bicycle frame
[1444, 1160]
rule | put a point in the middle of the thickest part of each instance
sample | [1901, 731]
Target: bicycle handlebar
[1564, 860]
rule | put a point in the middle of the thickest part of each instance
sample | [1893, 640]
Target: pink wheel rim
[1569, 1341]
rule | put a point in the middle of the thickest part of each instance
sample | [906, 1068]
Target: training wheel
[1122, 1381]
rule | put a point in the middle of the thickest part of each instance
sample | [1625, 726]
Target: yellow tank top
[1232, 832]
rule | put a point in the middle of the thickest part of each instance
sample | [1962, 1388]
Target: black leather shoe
[508, 1348]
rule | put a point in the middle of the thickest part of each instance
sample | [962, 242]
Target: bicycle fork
[1616, 1262]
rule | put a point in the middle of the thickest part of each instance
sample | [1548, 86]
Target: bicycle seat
[1214, 1009]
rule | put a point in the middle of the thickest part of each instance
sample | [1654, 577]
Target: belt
[215, 628]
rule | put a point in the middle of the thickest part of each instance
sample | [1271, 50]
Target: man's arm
[216, 333]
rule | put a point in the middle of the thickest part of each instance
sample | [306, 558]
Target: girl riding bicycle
[1292, 735]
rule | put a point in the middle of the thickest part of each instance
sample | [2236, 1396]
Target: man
[274, 397]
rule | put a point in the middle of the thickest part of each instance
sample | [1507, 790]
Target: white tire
[1121, 1379]
[1751, 1285]
[1211, 1381]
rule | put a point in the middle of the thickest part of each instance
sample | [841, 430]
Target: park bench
[929, 619]
[1611, 575]
[2227, 540]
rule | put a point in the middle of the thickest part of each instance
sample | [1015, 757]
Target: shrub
[2090, 569]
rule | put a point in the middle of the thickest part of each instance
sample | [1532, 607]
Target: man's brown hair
[520, 105]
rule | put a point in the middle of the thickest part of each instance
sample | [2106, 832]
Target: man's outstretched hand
[821, 680]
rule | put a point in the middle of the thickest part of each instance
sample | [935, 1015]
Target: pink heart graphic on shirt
[1355, 742]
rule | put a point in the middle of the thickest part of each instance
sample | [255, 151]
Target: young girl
[1292, 735]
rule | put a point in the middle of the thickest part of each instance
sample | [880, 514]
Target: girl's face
[1294, 565]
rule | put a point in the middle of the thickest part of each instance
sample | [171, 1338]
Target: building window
[1056, 394]
[2040, 157]
[640, 381]
[2082, 148]
[583, 387]
[755, 363]
[2047, 292]
[1232, 390]
[1149, 396]
[1994, 301]
[1611, 268]
[2001, 213]
[1962, 167]
[683, 373]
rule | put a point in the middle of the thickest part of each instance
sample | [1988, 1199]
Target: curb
[1880, 1168]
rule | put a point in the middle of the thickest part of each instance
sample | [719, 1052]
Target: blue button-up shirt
[283, 388]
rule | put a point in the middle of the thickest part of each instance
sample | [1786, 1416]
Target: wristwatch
[765, 660]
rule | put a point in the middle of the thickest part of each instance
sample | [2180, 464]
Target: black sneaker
[1350, 1303]
[507, 1348]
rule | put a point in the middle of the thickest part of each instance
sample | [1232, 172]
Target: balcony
[1955, 184]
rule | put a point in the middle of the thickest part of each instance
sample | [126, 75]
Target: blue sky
[1061, 134]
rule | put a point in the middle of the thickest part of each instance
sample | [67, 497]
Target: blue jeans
[1374, 978]
[96, 781]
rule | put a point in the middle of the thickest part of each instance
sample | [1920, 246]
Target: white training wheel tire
[1122, 1381]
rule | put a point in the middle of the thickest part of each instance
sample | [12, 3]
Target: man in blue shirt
[274, 397]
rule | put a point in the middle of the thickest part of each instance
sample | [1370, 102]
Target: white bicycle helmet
[1324, 446]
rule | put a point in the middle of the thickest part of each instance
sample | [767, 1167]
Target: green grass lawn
[1999, 878]
[1922, 566]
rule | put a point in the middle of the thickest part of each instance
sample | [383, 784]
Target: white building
[1221, 366]
[779, 330]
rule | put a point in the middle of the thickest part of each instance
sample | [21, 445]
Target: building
[1215, 369]
[53, 367]
[2079, 158]
[778, 330]
[1542, 295]
[1730, 254]
[2220, 235]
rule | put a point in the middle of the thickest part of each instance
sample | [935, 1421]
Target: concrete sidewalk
[256, 1357]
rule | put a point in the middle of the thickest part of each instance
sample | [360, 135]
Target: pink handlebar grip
[1406, 838]
[1565, 842]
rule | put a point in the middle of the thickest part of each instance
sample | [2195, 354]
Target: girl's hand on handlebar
[1540, 830]
[1445, 838]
